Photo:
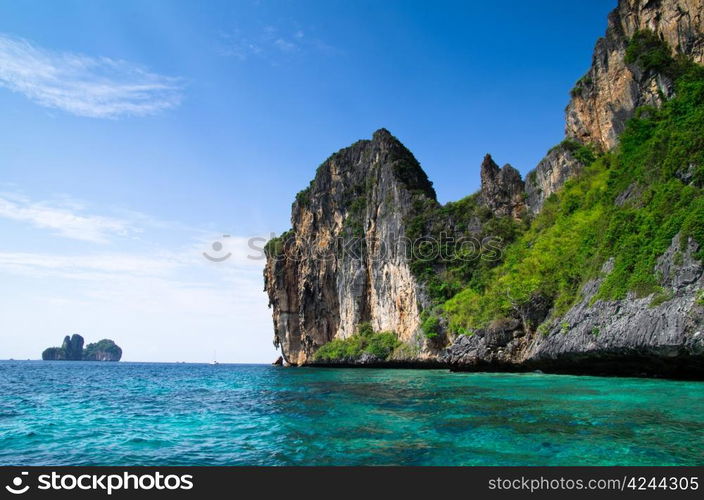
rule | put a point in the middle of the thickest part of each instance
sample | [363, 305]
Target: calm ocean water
[55, 413]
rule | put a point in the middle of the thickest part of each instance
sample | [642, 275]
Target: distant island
[72, 350]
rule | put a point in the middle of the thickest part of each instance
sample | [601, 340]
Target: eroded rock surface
[606, 97]
[502, 189]
[608, 94]
[72, 350]
[659, 334]
[550, 175]
[344, 262]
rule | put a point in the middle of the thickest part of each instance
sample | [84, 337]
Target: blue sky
[133, 134]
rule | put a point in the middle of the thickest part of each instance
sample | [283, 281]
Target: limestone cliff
[103, 350]
[559, 165]
[635, 336]
[357, 251]
[608, 94]
[72, 350]
[502, 189]
[365, 247]
[344, 262]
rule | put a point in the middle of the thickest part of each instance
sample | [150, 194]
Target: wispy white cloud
[152, 304]
[66, 221]
[239, 48]
[269, 42]
[87, 267]
[157, 280]
[98, 87]
[285, 45]
[146, 292]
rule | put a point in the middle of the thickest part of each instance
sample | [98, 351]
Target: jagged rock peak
[407, 169]
[606, 97]
[73, 346]
[322, 285]
[72, 350]
[383, 135]
[502, 188]
[352, 170]
[608, 94]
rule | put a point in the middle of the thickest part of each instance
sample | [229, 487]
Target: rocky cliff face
[552, 172]
[502, 189]
[72, 350]
[345, 260]
[654, 335]
[608, 94]
[103, 350]
[606, 97]
[73, 347]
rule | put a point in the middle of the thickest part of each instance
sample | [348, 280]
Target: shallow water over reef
[55, 413]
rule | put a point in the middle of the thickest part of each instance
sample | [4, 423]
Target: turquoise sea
[71, 413]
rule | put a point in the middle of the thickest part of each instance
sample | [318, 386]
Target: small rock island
[72, 350]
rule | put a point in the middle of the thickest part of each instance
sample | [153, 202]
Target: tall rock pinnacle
[502, 188]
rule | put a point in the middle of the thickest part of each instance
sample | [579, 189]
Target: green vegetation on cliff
[627, 205]
[456, 244]
[276, 245]
[364, 341]
[651, 54]
[72, 350]
[581, 84]
[102, 350]
[584, 154]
